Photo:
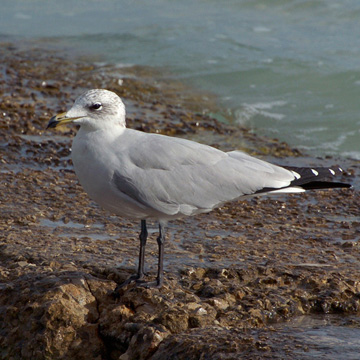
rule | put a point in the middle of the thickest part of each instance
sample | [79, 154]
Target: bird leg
[161, 241]
[138, 278]
[141, 273]
[160, 274]
[143, 238]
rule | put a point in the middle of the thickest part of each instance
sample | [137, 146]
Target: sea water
[288, 69]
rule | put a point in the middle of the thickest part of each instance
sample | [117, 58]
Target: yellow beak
[60, 119]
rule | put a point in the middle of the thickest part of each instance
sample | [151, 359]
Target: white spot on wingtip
[332, 171]
[314, 172]
[340, 169]
[297, 176]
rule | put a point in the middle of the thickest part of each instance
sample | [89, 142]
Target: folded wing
[177, 176]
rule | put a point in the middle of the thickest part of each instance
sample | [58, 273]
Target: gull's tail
[309, 179]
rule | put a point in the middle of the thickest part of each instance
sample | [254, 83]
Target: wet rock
[176, 320]
[51, 317]
[202, 316]
[145, 343]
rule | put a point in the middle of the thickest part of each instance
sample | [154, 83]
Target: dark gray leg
[143, 238]
[141, 274]
[160, 274]
[161, 242]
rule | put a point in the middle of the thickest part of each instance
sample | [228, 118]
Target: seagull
[145, 176]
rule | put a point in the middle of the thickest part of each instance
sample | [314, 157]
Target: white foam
[261, 29]
[248, 111]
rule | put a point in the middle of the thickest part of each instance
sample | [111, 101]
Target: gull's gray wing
[172, 175]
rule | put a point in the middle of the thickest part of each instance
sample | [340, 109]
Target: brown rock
[52, 319]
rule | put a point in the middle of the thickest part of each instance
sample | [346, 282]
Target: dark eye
[96, 106]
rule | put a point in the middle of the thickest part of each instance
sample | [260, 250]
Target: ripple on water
[320, 337]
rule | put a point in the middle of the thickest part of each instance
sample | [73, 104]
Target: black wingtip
[317, 177]
[312, 179]
[318, 185]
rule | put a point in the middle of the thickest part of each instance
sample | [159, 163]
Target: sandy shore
[233, 276]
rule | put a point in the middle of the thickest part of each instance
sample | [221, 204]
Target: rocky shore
[232, 276]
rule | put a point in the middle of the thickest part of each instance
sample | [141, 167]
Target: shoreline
[230, 274]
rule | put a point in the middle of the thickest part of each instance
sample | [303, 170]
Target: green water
[287, 69]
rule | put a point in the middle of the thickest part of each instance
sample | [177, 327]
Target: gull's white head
[95, 109]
